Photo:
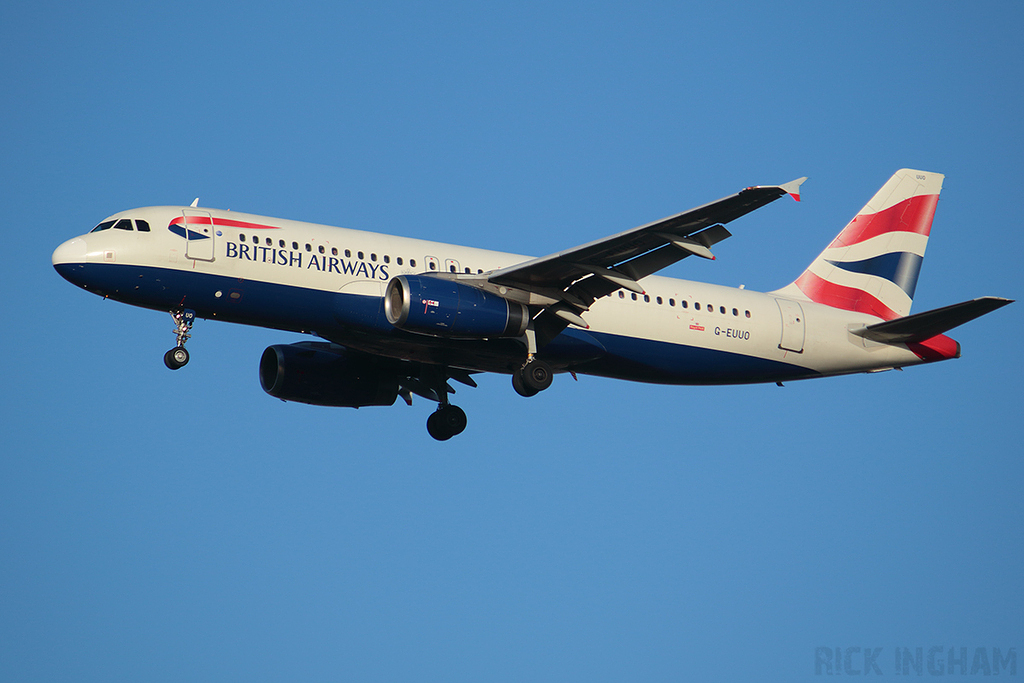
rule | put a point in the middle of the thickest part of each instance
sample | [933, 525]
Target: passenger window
[141, 226]
[309, 248]
[123, 224]
[322, 250]
[387, 259]
[658, 300]
[671, 302]
[412, 263]
[479, 271]
[721, 309]
[334, 251]
[468, 271]
[359, 254]
[451, 268]
[634, 296]
[696, 305]
[684, 304]
[348, 253]
[373, 257]
[647, 298]
[622, 295]
[735, 312]
[106, 225]
[295, 246]
[433, 266]
[241, 238]
[269, 242]
[280, 243]
[748, 313]
[398, 260]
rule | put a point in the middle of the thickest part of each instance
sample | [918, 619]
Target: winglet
[792, 188]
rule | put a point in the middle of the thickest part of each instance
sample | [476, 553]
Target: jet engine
[322, 374]
[447, 308]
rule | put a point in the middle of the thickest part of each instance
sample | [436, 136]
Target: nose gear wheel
[176, 357]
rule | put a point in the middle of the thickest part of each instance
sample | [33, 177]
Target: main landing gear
[534, 377]
[183, 320]
[448, 420]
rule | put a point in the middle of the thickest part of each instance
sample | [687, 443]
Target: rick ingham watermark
[935, 660]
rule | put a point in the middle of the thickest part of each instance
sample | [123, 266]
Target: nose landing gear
[183, 320]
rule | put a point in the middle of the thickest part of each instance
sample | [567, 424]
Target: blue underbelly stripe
[359, 321]
[660, 362]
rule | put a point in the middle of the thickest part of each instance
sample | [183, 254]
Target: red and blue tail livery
[873, 264]
[403, 317]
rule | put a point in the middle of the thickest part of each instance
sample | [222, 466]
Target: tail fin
[873, 264]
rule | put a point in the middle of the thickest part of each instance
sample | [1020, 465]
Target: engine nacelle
[322, 374]
[446, 308]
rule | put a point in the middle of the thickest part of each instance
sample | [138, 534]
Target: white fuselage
[283, 274]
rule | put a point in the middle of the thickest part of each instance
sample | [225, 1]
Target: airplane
[397, 316]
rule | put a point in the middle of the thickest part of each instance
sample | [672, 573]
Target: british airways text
[297, 259]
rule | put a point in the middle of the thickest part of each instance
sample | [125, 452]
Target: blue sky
[168, 526]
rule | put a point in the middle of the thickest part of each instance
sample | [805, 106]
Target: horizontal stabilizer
[922, 326]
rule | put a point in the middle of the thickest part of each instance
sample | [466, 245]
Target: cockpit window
[123, 224]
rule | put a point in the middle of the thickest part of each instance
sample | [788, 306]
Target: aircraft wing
[573, 279]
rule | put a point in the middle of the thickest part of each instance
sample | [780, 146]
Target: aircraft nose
[72, 251]
[69, 260]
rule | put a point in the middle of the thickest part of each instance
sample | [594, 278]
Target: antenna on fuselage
[195, 202]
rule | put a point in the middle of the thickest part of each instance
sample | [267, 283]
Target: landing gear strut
[183, 320]
[531, 379]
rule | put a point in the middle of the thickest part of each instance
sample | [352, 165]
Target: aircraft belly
[716, 354]
[662, 362]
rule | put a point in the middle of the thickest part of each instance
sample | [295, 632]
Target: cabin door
[792, 325]
[199, 231]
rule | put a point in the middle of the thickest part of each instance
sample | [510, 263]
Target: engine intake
[323, 374]
[447, 308]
